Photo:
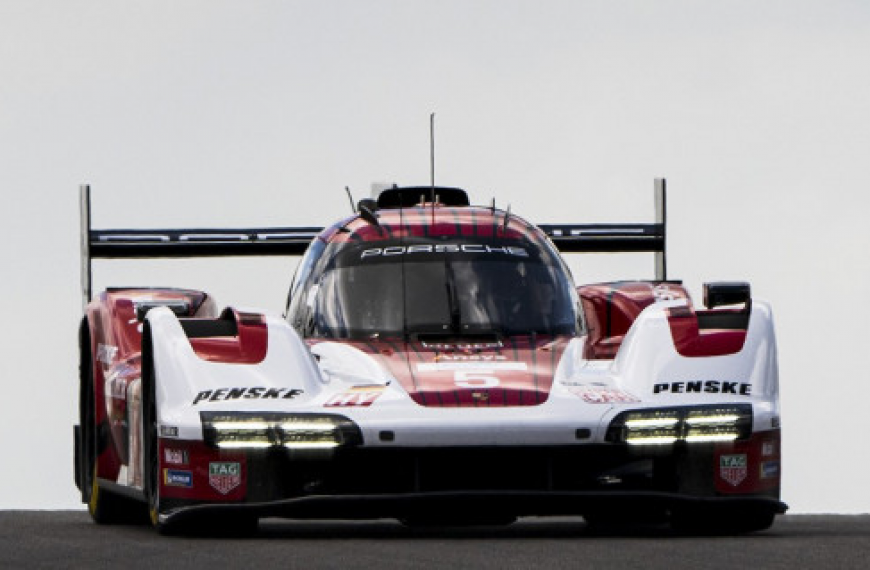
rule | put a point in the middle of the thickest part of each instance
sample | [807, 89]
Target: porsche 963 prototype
[436, 364]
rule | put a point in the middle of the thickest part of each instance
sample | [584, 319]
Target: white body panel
[647, 358]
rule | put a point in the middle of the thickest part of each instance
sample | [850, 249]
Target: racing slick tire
[150, 443]
[104, 506]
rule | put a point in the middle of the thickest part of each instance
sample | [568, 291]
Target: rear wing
[169, 243]
[618, 238]
[127, 244]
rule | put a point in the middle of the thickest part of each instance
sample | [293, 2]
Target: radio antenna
[350, 197]
[432, 164]
[432, 155]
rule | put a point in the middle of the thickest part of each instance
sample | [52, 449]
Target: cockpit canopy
[453, 286]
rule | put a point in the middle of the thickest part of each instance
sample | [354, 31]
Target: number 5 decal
[475, 379]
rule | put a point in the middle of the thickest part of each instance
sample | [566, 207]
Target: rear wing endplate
[128, 244]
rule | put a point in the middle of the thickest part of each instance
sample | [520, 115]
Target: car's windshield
[453, 288]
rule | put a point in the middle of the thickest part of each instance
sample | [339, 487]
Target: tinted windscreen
[455, 289]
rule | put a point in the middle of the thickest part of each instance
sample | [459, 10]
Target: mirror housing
[726, 293]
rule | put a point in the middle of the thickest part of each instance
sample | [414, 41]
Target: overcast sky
[216, 113]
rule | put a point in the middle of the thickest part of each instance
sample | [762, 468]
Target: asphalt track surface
[68, 539]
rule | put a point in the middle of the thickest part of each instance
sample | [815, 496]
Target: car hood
[512, 371]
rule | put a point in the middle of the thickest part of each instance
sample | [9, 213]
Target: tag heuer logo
[732, 468]
[224, 476]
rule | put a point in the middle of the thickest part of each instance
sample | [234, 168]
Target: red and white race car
[437, 364]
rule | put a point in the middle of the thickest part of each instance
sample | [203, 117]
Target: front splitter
[516, 503]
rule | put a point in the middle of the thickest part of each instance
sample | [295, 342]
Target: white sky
[217, 113]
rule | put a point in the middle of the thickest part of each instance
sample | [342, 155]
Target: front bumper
[360, 482]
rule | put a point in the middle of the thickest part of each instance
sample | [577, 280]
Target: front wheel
[151, 448]
[104, 506]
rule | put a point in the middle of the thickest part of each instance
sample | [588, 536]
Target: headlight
[252, 430]
[696, 424]
[655, 427]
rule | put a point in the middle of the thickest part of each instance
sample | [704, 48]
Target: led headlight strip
[255, 430]
[695, 424]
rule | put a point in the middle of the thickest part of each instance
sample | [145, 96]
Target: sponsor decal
[732, 468]
[356, 396]
[703, 387]
[462, 345]
[769, 469]
[443, 248]
[117, 386]
[250, 393]
[224, 476]
[177, 478]
[168, 431]
[768, 448]
[469, 357]
[592, 395]
[175, 456]
[106, 353]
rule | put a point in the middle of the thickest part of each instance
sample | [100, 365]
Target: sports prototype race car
[435, 364]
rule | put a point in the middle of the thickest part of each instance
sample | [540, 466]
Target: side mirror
[726, 293]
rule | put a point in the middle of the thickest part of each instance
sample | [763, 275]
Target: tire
[104, 506]
[150, 443]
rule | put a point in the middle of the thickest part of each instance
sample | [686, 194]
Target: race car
[435, 363]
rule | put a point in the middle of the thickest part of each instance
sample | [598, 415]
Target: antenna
[432, 154]
[350, 197]
[432, 163]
